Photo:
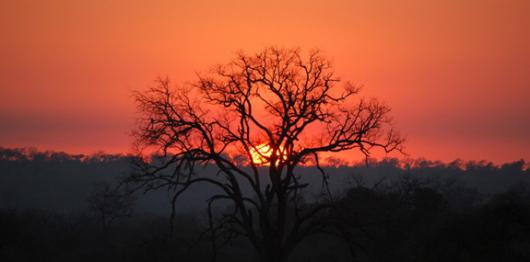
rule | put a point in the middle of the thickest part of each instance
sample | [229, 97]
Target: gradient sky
[455, 72]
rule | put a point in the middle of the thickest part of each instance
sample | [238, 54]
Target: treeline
[32, 179]
[32, 154]
[59, 181]
[61, 207]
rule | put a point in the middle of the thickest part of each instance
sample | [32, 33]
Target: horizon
[326, 163]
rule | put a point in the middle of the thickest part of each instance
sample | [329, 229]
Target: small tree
[109, 204]
[257, 118]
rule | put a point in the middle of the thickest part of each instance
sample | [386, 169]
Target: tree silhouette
[109, 204]
[284, 100]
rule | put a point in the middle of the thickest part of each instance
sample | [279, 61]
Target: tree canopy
[285, 100]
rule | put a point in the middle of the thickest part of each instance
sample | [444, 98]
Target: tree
[109, 204]
[256, 118]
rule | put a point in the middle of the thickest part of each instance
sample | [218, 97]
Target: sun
[260, 154]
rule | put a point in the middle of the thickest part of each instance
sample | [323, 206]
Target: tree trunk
[273, 256]
[273, 252]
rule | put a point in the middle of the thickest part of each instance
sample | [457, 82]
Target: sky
[456, 73]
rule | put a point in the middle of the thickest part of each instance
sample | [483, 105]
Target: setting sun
[261, 153]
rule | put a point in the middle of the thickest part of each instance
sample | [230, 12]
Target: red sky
[455, 72]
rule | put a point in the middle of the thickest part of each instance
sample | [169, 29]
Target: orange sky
[455, 72]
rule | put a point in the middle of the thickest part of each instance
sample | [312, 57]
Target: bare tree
[109, 204]
[257, 118]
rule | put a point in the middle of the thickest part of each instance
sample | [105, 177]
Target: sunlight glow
[261, 153]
